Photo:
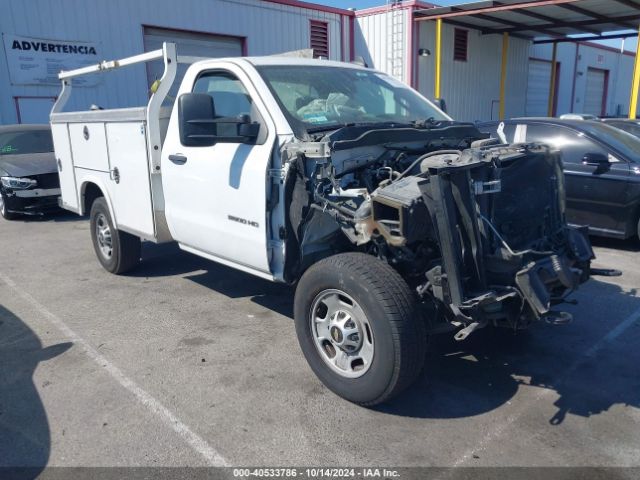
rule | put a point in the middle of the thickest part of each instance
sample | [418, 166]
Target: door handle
[178, 159]
[115, 175]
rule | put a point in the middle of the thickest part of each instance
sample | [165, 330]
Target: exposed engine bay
[475, 227]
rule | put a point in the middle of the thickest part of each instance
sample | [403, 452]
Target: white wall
[117, 26]
[372, 42]
[471, 89]
[620, 66]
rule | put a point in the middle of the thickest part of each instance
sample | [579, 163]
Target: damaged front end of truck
[476, 228]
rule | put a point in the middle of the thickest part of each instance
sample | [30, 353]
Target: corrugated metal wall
[471, 89]
[619, 65]
[117, 27]
[372, 42]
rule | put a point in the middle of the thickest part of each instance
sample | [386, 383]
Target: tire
[391, 336]
[6, 214]
[117, 251]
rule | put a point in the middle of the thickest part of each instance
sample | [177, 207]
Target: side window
[546, 134]
[230, 98]
[573, 145]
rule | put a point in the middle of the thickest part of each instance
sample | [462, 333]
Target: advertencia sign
[37, 61]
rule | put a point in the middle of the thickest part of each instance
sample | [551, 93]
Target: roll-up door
[191, 44]
[596, 90]
[538, 88]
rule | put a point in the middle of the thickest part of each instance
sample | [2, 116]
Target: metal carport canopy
[542, 21]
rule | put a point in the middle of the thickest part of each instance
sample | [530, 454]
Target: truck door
[215, 196]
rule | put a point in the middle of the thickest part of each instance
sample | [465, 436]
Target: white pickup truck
[394, 220]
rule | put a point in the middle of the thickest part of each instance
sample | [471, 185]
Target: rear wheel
[358, 327]
[117, 251]
[6, 214]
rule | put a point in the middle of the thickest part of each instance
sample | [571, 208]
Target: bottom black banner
[390, 473]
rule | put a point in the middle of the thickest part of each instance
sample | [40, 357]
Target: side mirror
[200, 127]
[441, 104]
[595, 159]
[195, 119]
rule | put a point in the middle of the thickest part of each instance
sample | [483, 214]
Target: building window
[319, 35]
[460, 44]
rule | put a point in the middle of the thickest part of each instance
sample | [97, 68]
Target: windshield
[26, 141]
[323, 98]
[629, 127]
[623, 142]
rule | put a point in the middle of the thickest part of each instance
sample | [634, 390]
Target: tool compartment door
[89, 146]
[66, 171]
[129, 185]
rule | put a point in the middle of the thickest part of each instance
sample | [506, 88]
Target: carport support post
[552, 80]
[503, 73]
[635, 85]
[438, 59]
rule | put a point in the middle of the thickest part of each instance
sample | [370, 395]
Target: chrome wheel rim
[342, 333]
[103, 236]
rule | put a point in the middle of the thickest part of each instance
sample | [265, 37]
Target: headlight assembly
[15, 183]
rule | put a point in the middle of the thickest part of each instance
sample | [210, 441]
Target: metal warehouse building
[470, 60]
[589, 77]
[41, 37]
[456, 53]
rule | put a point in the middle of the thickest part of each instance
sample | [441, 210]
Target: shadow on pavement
[168, 259]
[58, 216]
[24, 429]
[485, 371]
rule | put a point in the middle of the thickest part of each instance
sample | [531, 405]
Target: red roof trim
[384, 8]
[608, 48]
[312, 6]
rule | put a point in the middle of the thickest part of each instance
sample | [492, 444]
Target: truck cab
[393, 220]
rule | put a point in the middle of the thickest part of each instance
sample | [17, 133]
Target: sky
[630, 43]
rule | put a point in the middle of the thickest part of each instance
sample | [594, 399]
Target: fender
[90, 177]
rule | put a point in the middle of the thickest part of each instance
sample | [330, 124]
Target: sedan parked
[29, 182]
[601, 165]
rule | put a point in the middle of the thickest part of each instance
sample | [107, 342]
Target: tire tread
[128, 247]
[399, 305]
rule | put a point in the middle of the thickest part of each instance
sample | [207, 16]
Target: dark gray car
[601, 166]
[29, 182]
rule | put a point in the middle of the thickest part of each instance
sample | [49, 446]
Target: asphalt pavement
[188, 363]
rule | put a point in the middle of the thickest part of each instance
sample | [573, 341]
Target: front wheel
[6, 214]
[117, 251]
[359, 328]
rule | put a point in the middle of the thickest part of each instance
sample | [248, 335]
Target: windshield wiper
[325, 128]
[425, 122]
[385, 124]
